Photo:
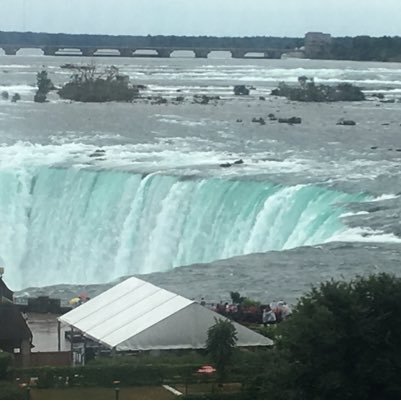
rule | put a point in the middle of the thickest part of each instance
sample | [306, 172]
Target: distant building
[317, 45]
[15, 335]
[6, 295]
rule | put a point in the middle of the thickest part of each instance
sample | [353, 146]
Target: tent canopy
[137, 315]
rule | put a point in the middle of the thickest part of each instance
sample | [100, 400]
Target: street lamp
[116, 388]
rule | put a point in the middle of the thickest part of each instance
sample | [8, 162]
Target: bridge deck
[124, 51]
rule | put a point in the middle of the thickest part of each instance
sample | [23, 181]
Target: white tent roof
[136, 315]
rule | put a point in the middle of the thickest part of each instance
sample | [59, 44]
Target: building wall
[44, 359]
[317, 45]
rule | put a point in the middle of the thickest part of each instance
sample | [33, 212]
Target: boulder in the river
[342, 121]
[239, 161]
[98, 153]
[5, 95]
[291, 120]
[272, 117]
[158, 100]
[259, 120]
[15, 98]
[225, 165]
[241, 90]
[204, 99]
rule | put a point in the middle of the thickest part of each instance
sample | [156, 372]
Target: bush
[128, 375]
[98, 90]
[15, 98]
[175, 358]
[241, 90]
[10, 391]
[221, 340]
[40, 97]
[248, 303]
[308, 91]
[89, 86]
[45, 85]
[343, 341]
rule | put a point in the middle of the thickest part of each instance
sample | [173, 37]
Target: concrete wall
[44, 359]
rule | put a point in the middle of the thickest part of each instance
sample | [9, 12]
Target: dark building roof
[13, 327]
[5, 291]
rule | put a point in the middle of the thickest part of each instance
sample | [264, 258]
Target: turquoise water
[84, 226]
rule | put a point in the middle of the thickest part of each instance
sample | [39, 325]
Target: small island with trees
[309, 91]
[89, 85]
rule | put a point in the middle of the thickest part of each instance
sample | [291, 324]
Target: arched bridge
[90, 51]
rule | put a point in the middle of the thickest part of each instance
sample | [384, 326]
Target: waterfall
[70, 225]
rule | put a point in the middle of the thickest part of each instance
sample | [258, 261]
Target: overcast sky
[204, 17]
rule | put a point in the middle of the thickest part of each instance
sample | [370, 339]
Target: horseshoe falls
[71, 225]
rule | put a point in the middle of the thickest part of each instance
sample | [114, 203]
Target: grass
[100, 393]
[131, 393]
[205, 388]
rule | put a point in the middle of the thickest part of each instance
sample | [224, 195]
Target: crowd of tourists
[273, 313]
[276, 312]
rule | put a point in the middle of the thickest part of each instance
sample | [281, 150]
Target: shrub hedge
[10, 391]
[127, 374]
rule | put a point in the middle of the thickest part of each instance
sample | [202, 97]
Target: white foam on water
[165, 154]
[351, 214]
[389, 91]
[21, 89]
[260, 74]
[364, 234]
[385, 197]
[15, 66]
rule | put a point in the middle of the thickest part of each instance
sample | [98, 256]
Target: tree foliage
[236, 297]
[309, 91]
[366, 48]
[221, 340]
[88, 85]
[135, 42]
[45, 85]
[343, 341]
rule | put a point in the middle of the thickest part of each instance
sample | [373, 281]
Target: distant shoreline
[315, 45]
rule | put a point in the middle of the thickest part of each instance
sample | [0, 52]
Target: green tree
[220, 344]
[343, 341]
[236, 297]
[45, 85]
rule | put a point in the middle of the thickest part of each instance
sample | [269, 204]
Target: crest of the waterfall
[69, 225]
